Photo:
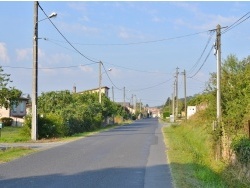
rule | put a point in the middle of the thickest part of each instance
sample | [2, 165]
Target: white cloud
[24, 54]
[157, 19]
[126, 33]
[86, 68]
[79, 28]
[3, 53]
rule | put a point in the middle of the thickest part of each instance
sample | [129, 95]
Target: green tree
[8, 95]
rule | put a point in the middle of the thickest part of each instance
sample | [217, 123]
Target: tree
[8, 95]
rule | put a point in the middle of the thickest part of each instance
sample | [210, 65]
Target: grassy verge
[191, 158]
[12, 134]
[14, 153]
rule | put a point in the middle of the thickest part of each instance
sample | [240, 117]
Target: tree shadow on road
[117, 177]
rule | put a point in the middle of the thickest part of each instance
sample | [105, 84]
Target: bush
[49, 126]
[7, 121]
[241, 148]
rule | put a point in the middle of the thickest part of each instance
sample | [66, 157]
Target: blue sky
[143, 43]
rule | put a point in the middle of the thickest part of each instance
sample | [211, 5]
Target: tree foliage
[8, 95]
[62, 113]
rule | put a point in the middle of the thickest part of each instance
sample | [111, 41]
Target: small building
[16, 112]
[191, 110]
[104, 90]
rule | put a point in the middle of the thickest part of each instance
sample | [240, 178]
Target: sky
[143, 43]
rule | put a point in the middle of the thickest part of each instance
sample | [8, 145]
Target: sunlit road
[128, 156]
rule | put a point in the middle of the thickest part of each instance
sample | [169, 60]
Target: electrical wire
[236, 23]
[62, 67]
[202, 63]
[136, 43]
[197, 62]
[109, 77]
[152, 86]
[65, 37]
[111, 63]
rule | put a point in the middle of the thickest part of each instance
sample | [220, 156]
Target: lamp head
[53, 14]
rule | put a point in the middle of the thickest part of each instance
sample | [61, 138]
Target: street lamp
[100, 81]
[35, 71]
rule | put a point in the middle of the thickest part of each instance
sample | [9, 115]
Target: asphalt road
[131, 156]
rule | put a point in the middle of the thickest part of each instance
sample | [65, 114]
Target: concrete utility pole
[35, 74]
[177, 73]
[113, 96]
[173, 108]
[185, 94]
[124, 98]
[100, 82]
[218, 57]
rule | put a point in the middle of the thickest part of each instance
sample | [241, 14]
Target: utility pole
[35, 74]
[177, 73]
[113, 96]
[218, 57]
[133, 106]
[100, 82]
[173, 107]
[140, 105]
[185, 94]
[124, 98]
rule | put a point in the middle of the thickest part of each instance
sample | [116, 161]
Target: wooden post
[249, 129]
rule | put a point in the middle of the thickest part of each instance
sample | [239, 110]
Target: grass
[14, 153]
[190, 157]
[12, 134]
[192, 161]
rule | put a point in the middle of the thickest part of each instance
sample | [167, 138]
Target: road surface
[130, 156]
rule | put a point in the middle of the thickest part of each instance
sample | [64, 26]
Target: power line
[202, 63]
[110, 78]
[152, 86]
[66, 38]
[197, 62]
[143, 71]
[236, 23]
[136, 43]
[62, 67]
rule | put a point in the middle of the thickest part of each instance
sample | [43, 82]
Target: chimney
[74, 89]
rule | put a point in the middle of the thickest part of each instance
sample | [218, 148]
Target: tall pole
[185, 94]
[218, 43]
[176, 92]
[124, 98]
[35, 74]
[173, 109]
[100, 82]
[113, 96]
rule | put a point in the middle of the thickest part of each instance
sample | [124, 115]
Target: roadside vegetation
[205, 153]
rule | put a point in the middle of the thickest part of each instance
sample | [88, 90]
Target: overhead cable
[199, 59]
[202, 63]
[109, 77]
[66, 38]
[236, 23]
[136, 43]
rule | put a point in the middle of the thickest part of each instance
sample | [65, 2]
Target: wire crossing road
[131, 156]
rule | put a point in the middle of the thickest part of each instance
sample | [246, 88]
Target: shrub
[7, 121]
[51, 125]
[241, 148]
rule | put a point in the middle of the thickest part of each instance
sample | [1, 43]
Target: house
[104, 90]
[191, 110]
[16, 112]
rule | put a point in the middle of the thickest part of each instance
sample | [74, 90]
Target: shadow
[117, 177]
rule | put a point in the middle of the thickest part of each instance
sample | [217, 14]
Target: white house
[16, 112]
[191, 110]
[104, 90]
